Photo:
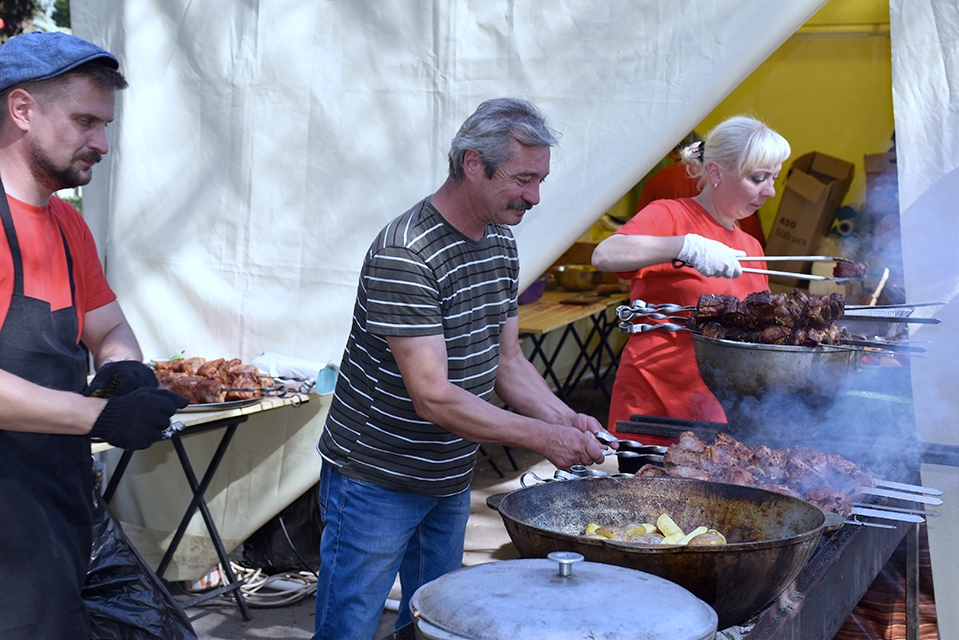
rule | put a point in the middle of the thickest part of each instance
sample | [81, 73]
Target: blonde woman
[736, 165]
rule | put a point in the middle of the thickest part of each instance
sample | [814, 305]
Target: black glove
[138, 419]
[120, 378]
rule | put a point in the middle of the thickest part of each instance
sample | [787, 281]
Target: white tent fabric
[925, 49]
[261, 146]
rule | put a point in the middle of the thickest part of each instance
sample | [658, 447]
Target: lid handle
[565, 560]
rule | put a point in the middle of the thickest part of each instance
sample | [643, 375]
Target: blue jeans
[369, 535]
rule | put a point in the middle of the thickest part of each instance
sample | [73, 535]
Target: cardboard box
[815, 188]
[879, 163]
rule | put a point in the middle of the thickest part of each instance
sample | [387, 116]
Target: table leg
[199, 502]
[605, 328]
[509, 454]
[912, 583]
[586, 359]
[485, 456]
[117, 474]
[593, 358]
[537, 351]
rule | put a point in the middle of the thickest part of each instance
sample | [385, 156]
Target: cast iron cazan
[772, 391]
[771, 536]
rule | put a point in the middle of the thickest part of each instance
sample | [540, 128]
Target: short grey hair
[491, 127]
[739, 143]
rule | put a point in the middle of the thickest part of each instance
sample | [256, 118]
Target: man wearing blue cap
[57, 94]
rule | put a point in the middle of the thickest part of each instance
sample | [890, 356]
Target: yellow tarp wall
[840, 58]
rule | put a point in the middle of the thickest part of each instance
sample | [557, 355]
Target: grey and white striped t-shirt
[421, 277]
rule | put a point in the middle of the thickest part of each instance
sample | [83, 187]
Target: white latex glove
[711, 258]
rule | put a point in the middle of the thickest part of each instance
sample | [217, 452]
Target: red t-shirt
[44, 260]
[657, 373]
[754, 227]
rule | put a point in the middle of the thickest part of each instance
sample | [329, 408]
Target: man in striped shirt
[435, 332]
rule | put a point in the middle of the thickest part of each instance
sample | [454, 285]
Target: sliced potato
[606, 532]
[673, 538]
[641, 529]
[667, 527]
[594, 530]
[709, 537]
[645, 539]
[698, 531]
[716, 533]
[665, 531]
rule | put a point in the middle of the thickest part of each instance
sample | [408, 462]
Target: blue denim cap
[39, 56]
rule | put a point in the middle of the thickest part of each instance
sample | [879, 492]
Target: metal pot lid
[562, 597]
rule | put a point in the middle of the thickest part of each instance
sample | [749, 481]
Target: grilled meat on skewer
[853, 270]
[763, 317]
[826, 480]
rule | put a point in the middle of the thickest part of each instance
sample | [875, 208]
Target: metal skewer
[899, 319]
[869, 524]
[878, 512]
[920, 512]
[905, 305]
[794, 259]
[800, 276]
[901, 495]
[901, 486]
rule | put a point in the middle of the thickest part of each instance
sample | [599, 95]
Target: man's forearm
[523, 388]
[119, 344]
[25, 406]
[109, 336]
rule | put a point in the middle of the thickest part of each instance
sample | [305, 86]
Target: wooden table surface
[549, 313]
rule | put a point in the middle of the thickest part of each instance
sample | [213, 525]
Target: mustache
[89, 156]
[520, 205]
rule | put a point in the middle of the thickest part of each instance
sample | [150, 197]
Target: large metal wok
[772, 391]
[771, 536]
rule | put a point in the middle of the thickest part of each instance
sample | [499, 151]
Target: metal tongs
[789, 274]
[631, 448]
[678, 264]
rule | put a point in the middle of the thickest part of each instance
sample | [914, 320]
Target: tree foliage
[15, 14]
[61, 13]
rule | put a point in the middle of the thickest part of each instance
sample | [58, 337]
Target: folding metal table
[189, 423]
[548, 314]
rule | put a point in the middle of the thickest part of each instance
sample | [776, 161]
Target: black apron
[45, 480]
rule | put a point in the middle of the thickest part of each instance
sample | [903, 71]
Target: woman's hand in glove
[138, 419]
[120, 378]
[711, 258]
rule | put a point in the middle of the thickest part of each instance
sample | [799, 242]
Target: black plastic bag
[124, 596]
[290, 541]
